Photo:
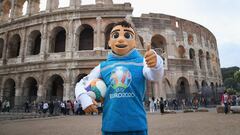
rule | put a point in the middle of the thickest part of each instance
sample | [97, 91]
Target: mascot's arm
[80, 91]
[155, 73]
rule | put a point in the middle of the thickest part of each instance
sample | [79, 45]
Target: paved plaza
[194, 123]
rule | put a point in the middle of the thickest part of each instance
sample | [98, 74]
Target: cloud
[229, 54]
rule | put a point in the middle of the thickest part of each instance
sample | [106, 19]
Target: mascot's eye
[115, 35]
[128, 35]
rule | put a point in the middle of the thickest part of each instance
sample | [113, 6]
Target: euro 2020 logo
[120, 78]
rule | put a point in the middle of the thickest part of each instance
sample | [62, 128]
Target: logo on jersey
[120, 78]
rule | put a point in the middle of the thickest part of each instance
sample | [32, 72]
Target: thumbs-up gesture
[150, 57]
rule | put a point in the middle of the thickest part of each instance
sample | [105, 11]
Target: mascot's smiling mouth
[121, 46]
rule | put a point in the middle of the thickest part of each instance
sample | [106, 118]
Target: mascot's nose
[120, 39]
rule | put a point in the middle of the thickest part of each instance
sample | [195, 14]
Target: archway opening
[34, 43]
[1, 47]
[14, 46]
[30, 88]
[58, 41]
[9, 89]
[55, 88]
[86, 37]
[182, 90]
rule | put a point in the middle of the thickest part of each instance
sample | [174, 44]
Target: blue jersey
[123, 103]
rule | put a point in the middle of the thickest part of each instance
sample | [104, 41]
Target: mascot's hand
[92, 107]
[150, 57]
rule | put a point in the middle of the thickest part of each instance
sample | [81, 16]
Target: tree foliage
[237, 76]
[228, 72]
[231, 78]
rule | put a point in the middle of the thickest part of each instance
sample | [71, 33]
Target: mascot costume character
[124, 73]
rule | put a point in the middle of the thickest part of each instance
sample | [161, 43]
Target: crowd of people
[52, 108]
[161, 104]
[55, 108]
[5, 106]
[69, 107]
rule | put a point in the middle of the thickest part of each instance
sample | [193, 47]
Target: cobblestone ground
[195, 123]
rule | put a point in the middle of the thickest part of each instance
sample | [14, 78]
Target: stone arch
[9, 90]
[86, 37]
[34, 43]
[30, 88]
[107, 32]
[190, 39]
[14, 46]
[58, 40]
[159, 44]
[6, 9]
[181, 51]
[182, 88]
[205, 90]
[167, 87]
[141, 41]
[1, 47]
[79, 77]
[197, 87]
[201, 59]
[55, 87]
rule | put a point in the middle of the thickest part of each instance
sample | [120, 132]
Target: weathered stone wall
[52, 73]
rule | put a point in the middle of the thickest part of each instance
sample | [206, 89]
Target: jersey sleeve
[80, 91]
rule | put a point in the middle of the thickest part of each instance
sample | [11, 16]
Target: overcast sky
[221, 17]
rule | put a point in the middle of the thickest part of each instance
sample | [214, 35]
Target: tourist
[225, 101]
[161, 105]
[151, 105]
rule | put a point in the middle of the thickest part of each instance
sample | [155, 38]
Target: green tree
[230, 83]
[231, 91]
[237, 76]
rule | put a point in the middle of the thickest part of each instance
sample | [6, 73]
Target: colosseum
[45, 51]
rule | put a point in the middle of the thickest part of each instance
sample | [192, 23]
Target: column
[66, 92]
[68, 89]
[98, 37]
[44, 43]
[23, 47]
[18, 92]
[204, 63]
[4, 55]
[41, 94]
[69, 39]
